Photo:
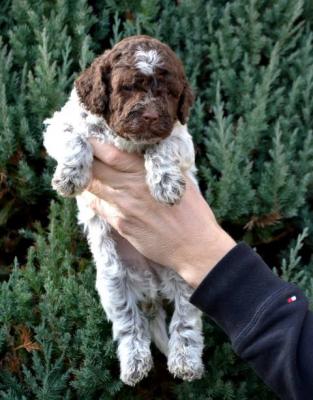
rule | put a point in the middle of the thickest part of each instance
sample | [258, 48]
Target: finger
[109, 213]
[102, 191]
[117, 159]
[106, 210]
[114, 178]
[105, 173]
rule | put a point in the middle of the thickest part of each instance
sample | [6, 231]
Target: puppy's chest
[97, 127]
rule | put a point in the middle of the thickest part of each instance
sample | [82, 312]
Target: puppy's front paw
[168, 188]
[70, 181]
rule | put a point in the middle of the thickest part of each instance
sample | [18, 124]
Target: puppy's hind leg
[130, 327]
[186, 340]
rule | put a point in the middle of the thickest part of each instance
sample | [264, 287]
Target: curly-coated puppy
[136, 97]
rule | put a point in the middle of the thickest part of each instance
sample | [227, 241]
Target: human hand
[185, 237]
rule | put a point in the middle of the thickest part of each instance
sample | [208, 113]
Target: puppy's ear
[185, 102]
[92, 85]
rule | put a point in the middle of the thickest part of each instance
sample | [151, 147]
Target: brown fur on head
[139, 87]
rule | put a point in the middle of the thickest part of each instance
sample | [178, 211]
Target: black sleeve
[266, 319]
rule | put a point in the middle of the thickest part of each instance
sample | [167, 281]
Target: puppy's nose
[150, 116]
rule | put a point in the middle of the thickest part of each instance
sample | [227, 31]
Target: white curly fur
[147, 61]
[130, 286]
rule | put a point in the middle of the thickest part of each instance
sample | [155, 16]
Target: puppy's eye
[172, 92]
[127, 88]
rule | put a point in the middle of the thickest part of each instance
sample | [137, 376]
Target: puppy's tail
[157, 323]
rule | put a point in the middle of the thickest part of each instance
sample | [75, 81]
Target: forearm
[194, 262]
[266, 319]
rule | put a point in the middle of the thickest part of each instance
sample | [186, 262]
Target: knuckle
[122, 225]
[126, 225]
[122, 204]
[94, 204]
[95, 187]
[139, 192]
[129, 207]
[113, 157]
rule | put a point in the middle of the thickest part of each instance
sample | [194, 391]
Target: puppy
[136, 97]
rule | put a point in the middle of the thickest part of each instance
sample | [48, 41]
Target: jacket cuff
[234, 290]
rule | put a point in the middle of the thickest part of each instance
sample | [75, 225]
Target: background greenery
[250, 63]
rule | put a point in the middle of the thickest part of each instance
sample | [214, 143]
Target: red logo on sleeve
[292, 299]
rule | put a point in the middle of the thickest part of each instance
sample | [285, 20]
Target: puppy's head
[139, 87]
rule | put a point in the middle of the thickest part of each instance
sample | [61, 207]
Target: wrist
[206, 252]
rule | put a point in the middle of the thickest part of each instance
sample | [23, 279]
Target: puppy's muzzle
[150, 116]
[148, 122]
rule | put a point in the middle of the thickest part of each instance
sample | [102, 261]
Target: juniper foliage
[250, 64]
